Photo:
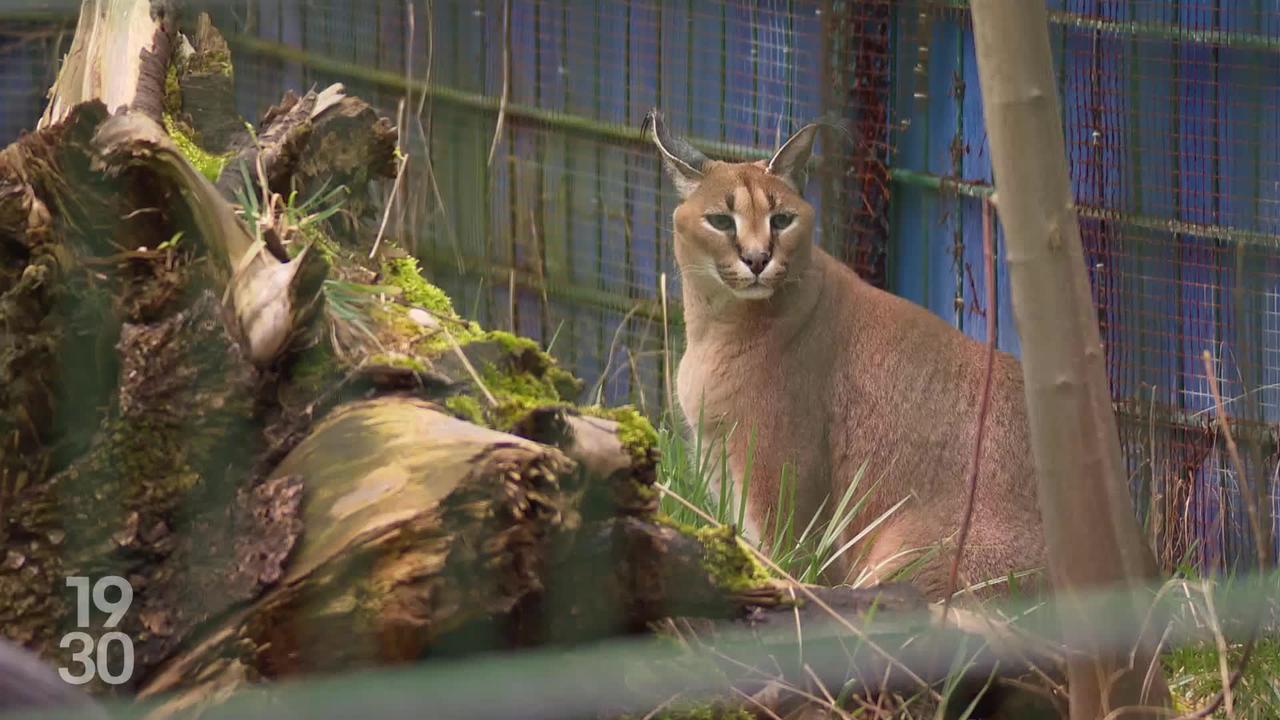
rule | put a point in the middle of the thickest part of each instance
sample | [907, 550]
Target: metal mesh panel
[1170, 113]
[31, 44]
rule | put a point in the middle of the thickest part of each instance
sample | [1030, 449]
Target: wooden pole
[1091, 534]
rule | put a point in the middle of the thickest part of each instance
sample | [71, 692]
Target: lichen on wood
[730, 565]
[634, 430]
[207, 163]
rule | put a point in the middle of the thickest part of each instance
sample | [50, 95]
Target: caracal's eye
[781, 221]
[720, 221]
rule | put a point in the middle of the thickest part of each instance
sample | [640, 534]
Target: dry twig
[1264, 554]
[1228, 701]
[666, 345]
[506, 81]
[391, 201]
[988, 257]
[462, 356]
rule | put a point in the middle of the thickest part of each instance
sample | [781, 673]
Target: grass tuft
[691, 467]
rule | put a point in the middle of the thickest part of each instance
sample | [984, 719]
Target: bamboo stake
[1091, 535]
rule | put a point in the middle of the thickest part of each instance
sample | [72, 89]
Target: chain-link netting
[31, 43]
[1170, 112]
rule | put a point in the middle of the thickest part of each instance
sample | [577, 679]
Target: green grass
[690, 467]
[1195, 677]
[1194, 671]
[306, 218]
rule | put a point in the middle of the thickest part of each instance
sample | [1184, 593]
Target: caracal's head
[741, 229]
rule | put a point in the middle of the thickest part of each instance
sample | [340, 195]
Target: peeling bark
[118, 57]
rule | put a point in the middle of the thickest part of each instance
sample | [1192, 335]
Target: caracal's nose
[756, 260]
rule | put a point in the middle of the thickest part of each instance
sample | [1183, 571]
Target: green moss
[172, 91]
[396, 319]
[208, 164]
[565, 383]
[437, 342]
[728, 563]
[404, 274]
[517, 393]
[518, 385]
[150, 458]
[529, 378]
[522, 377]
[635, 432]
[466, 408]
[513, 344]
[314, 367]
[213, 61]
[399, 360]
[183, 136]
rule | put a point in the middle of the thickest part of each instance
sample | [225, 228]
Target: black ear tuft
[651, 118]
[791, 161]
[684, 163]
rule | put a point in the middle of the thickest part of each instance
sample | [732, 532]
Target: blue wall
[1170, 113]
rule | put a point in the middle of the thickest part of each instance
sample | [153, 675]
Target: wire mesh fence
[557, 223]
[31, 44]
[1169, 116]
[564, 232]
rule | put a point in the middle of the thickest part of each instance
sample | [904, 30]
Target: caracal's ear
[683, 162]
[791, 161]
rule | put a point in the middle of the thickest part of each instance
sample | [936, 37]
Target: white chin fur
[755, 292]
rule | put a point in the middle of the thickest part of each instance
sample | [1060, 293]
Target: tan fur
[830, 372]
